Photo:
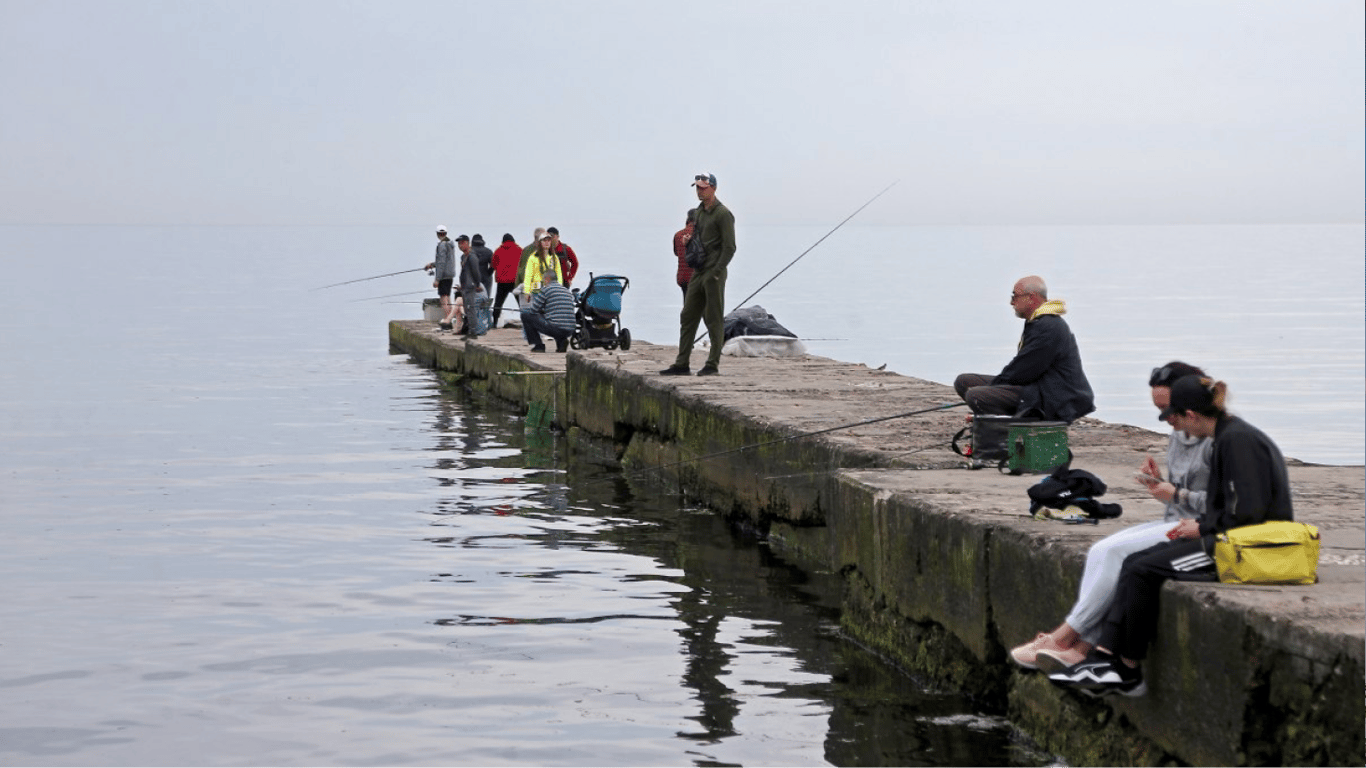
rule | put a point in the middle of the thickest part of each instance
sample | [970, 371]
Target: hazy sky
[595, 112]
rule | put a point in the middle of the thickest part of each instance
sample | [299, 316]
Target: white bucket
[431, 310]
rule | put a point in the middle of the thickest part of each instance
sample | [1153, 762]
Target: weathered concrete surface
[944, 571]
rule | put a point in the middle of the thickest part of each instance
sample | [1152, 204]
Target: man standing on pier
[443, 269]
[1045, 380]
[705, 300]
[471, 282]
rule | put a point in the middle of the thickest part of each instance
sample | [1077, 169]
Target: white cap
[441, 230]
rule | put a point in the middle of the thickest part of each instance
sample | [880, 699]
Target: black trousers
[983, 397]
[504, 290]
[1131, 623]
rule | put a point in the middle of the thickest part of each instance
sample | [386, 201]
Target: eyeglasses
[1016, 296]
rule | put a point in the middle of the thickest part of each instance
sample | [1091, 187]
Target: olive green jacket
[716, 230]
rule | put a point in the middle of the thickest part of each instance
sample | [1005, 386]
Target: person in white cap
[444, 277]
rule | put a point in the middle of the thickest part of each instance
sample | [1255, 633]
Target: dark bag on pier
[1068, 487]
[1013, 444]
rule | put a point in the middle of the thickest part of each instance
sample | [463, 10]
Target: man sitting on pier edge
[1045, 380]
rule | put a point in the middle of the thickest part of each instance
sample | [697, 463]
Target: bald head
[1033, 285]
[1028, 295]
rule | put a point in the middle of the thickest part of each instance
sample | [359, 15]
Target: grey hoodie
[1188, 467]
[445, 260]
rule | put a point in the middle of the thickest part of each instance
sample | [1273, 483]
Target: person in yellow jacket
[541, 263]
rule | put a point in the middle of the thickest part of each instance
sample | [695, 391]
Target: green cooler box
[1036, 446]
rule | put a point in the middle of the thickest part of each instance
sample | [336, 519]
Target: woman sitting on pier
[1248, 484]
[1183, 492]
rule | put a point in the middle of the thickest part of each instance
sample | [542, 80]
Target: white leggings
[1101, 576]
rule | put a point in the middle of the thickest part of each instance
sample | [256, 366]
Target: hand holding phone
[1146, 479]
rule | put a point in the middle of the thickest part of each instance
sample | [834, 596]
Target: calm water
[238, 532]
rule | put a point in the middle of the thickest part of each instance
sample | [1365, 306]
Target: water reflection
[632, 609]
[373, 572]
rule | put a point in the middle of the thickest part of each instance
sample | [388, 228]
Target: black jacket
[1048, 368]
[1248, 483]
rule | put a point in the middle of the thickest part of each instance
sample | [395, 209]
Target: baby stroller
[597, 321]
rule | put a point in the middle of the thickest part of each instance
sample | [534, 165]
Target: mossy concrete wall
[943, 574]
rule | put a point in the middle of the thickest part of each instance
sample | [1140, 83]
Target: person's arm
[1244, 472]
[532, 282]
[572, 260]
[1250, 473]
[727, 225]
[1039, 348]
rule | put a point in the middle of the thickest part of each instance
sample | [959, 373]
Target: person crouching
[551, 312]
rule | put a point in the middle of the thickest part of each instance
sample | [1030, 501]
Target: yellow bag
[1278, 552]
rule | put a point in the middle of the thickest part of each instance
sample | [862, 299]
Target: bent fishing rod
[635, 472]
[813, 245]
[376, 277]
[827, 430]
[808, 250]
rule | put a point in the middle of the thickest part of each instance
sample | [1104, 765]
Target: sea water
[237, 531]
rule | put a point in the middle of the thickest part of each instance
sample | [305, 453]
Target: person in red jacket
[505, 260]
[569, 262]
[681, 238]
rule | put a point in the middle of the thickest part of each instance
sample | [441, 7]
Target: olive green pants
[705, 302]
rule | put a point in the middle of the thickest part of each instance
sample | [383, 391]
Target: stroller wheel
[624, 338]
[575, 342]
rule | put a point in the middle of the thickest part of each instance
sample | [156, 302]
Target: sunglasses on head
[1160, 376]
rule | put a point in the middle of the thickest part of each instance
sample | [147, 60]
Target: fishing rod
[841, 469]
[390, 296]
[808, 250]
[376, 277]
[936, 408]
[827, 430]
[813, 245]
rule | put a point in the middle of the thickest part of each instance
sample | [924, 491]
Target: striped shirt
[555, 303]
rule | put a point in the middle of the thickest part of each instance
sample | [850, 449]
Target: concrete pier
[944, 570]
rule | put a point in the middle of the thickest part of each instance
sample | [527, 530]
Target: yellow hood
[1053, 307]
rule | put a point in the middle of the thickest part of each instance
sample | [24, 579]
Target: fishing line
[808, 250]
[556, 470]
[813, 245]
[841, 469]
[376, 277]
[390, 296]
[866, 422]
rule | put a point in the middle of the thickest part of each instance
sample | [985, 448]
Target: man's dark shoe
[709, 370]
[538, 348]
[676, 370]
[562, 346]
